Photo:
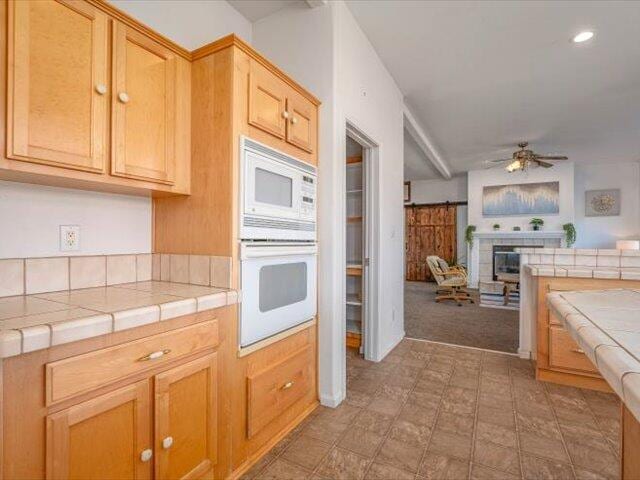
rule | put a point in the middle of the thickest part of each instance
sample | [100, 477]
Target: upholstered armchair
[452, 281]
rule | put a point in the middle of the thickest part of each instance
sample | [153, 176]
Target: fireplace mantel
[521, 234]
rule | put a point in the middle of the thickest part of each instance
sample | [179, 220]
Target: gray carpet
[469, 325]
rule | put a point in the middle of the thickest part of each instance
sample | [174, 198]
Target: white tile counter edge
[620, 369]
[38, 337]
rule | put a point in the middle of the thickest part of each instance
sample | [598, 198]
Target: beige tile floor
[433, 411]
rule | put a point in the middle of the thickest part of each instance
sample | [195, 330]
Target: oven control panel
[308, 196]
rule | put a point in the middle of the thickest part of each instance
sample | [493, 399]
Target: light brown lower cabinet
[104, 437]
[185, 419]
[110, 436]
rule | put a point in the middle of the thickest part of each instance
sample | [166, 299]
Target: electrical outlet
[69, 238]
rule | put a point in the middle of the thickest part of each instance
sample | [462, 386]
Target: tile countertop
[615, 273]
[34, 322]
[606, 325]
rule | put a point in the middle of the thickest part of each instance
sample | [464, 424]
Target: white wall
[31, 215]
[439, 190]
[602, 232]
[189, 23]
[562, 172]
[370, 99]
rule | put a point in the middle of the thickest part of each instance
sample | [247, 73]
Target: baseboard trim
[332, 400]
[526, 354]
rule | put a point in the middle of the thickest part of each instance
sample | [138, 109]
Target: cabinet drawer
[564, 352]
[274, 389]
[83, 373]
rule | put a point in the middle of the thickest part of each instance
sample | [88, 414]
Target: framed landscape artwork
[602, 203]
[521, 199]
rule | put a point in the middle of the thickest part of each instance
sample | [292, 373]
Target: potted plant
[569, 234]
[536, 223]
[496, 227]
[468, 234]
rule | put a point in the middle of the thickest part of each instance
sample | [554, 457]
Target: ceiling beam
[425, 143]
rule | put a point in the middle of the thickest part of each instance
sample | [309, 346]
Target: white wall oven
[277, 195]
[279, 284]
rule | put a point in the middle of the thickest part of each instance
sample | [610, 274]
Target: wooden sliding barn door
[429, 230]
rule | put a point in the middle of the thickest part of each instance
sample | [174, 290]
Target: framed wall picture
[602, 203]
[407, 192]
[521, 199]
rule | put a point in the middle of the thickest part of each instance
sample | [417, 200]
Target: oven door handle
[255, 251]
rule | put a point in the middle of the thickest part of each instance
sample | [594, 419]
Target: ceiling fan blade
[552, 157]
[501, 160]
[543, 164]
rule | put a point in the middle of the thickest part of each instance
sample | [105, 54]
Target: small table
[511, 281]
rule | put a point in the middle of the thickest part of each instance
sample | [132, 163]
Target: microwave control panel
[308, 196]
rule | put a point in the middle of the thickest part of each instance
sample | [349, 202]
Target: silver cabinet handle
[577, 350]
[294, 120]
[123, 97]
[101, 89]
[287, 386]
[146, 455]
[167, 442]
[154, 355]
[285, 114]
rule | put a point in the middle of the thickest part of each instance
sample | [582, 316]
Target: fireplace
[506, 260]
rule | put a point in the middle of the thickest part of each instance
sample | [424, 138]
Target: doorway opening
[360, 245]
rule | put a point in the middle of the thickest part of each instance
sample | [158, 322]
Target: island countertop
[38, 321]
[606, 325]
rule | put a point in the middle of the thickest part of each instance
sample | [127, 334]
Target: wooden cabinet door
[104, 437]
[302, 126]
[267, 101]
[144, 107]
[57, 84]
[186, 419]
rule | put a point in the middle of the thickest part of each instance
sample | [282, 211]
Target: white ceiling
[481, 76]
[254, 10]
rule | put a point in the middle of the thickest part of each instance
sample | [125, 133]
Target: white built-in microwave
[277, 195]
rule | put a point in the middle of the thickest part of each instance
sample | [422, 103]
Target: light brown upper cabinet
[185, 419]
[57, 84]
[106, 437]
[144, 107]
[278, 109]
[93, 100]
[267, 101]
[301, 117]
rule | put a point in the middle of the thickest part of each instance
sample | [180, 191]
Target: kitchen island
[606, 326]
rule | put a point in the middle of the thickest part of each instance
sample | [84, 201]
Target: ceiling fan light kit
[524, 158]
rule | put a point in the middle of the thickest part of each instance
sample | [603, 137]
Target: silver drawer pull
[577, 350]
[167, 442]
[287, 386]
[154, 355]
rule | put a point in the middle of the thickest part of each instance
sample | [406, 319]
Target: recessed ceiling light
[583, 36]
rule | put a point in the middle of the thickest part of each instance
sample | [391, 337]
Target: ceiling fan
[523, 159]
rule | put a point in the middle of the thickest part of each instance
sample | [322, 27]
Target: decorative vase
[536, 227]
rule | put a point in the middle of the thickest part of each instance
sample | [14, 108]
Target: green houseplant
[536, 223]
[468, 234]
[570, 234]
[496, 226]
